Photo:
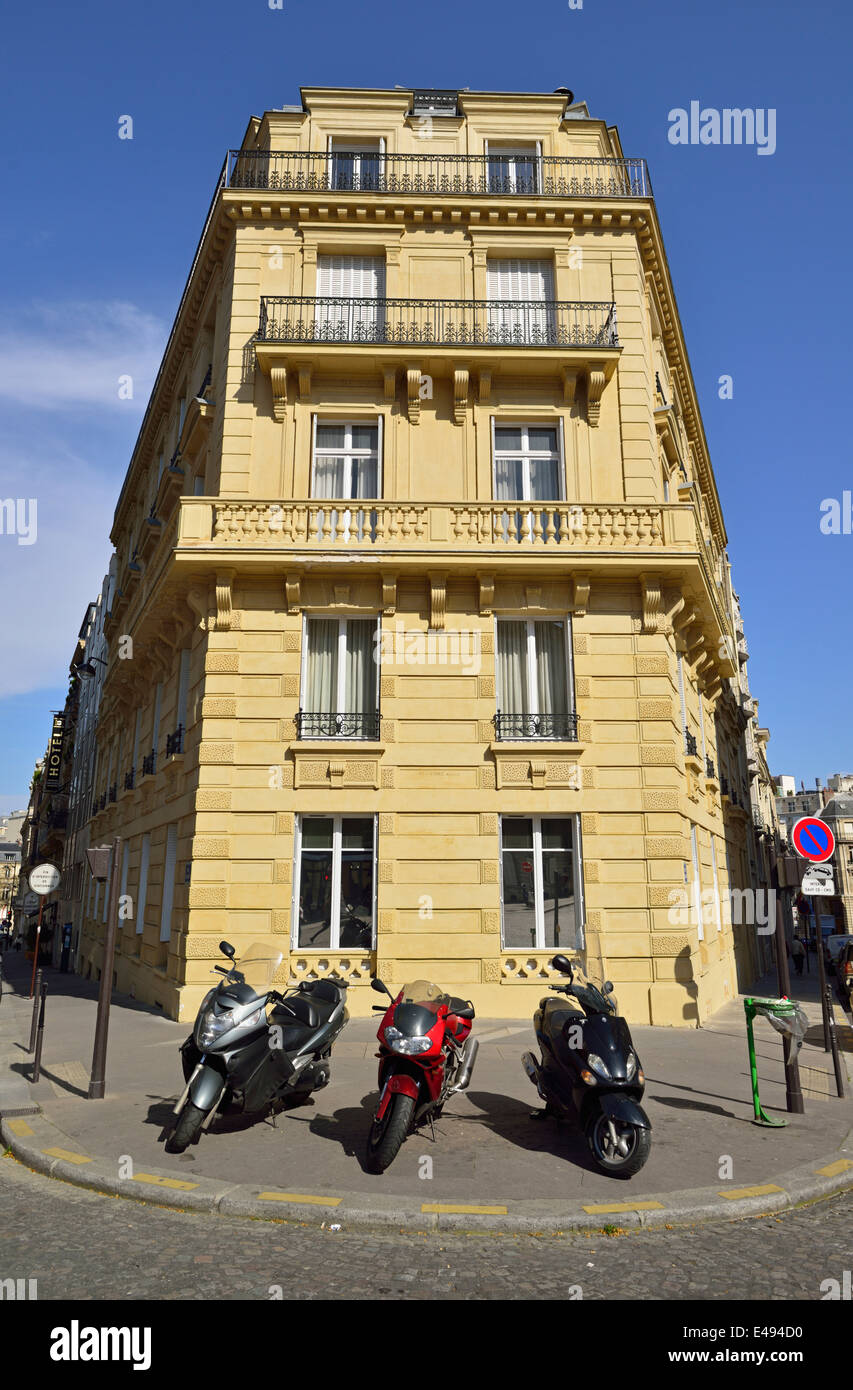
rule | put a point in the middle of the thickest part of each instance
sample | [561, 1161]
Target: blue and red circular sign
[813, 839]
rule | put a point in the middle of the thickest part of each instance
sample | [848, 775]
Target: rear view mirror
[608, 987]
[562, 964]
[227, 949]
[380, 988]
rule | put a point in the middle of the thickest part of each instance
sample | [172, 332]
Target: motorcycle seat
[310, 1009]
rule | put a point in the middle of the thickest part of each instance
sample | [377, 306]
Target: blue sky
[98, 233]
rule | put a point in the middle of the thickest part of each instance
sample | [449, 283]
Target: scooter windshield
[589, 992]
[258, 965]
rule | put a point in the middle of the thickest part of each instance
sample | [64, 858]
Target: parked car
[831, 947]
[844, 968]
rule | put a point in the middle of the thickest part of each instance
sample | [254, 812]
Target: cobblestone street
[82, 1245]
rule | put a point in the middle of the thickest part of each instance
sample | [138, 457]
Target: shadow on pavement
[510, 1119]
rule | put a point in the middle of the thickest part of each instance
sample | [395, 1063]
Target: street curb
[361, 1210]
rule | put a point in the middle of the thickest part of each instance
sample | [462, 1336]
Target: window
[717, 916]
[528, 467]
[356, 164]
[359, 280]
[346, 464]
[541, 896]
[339, 685]
[142, 891]
[513, 168]
[335, 877]
[535, 681]
[168, 883]
[519, 291]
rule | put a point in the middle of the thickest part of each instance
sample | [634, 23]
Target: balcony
[438, 323]
[690, 745]
[113, 792]
[149, 763]
[556, 728]
[129, 779]
[265, 530]
[710, 770]
[175, 742]
[310, 724]
[438, 175]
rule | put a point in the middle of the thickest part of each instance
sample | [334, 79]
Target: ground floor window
[334, 894]
[541, 892]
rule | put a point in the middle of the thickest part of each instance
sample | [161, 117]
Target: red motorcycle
[426, 1055]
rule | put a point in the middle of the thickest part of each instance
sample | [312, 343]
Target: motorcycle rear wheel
[628, 1156]
[186, 1130]
[386, 1135]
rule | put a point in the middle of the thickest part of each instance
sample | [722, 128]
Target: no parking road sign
[813, 839]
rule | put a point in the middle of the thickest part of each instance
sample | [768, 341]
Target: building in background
[11, 825]
[10, 867]
[423, 654]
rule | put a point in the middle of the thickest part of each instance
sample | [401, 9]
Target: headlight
[630, 1066]
[214, 1025]
[599, 1067]
[398, 1042]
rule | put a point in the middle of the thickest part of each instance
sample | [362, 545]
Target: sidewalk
[491, 1165]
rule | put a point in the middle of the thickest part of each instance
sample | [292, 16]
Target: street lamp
[99, 865]
[87, 668]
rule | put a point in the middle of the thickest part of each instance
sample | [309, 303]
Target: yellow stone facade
[225, 551]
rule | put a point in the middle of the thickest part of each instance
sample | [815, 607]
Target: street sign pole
[97, 1081]
[36, 951]
[793, 1092]
[821, 970]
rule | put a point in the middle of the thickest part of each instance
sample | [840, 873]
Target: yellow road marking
[67, 1155]
[759, 1191]
[833, 1169]
[20, 1127]
[465, 1210]
[299, 1197]
[625, 1206]
[165, 1182]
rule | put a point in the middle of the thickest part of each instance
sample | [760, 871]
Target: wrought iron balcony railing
[495, 175]
[724, 786]
[690, 744]
[527, 323]
[113, 792]
[129, 779]
[175, 742]
[561, 728]
[149, 763]
[710, 770]
[311, 724]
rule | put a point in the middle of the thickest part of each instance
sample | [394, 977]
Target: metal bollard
[833, 1043]
[40, 1034]
[34, 1024]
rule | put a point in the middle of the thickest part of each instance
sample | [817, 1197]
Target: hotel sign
[53, 770]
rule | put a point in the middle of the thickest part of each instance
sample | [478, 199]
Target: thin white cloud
[47, 584]
[56, 356]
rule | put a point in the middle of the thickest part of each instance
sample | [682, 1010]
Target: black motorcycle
[240, 1056]
[590, 1073]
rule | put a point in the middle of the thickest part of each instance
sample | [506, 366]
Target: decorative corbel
[292, 592]
[460, 395]
[533, 595]
[594, 389]
[581, 594]
[437, 599]
[570, 385]
[389, 594]
[198, 602]
[224, 611]
[484, 384]
[278, 380]
[487, 594]
[652, 609]
[413, 393]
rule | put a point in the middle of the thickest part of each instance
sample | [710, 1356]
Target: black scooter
[239, 1055]
[590, 1073]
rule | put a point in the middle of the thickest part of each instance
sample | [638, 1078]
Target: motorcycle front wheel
[387, 1135]
[618, 1148]
[186, 1130]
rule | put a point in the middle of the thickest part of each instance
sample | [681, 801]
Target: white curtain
[321, 683]
[360, 693]
[551, 682]
[512, 668]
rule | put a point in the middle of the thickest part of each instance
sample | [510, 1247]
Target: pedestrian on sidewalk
[798, 954]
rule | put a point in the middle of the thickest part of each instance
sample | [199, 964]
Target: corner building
[423, 619]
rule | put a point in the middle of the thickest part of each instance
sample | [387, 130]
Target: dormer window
[434, 103]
